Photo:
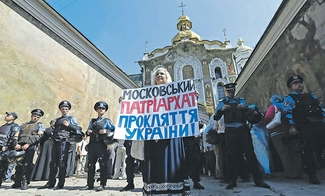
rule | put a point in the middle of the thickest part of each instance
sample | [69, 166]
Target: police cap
[293, 79]
[13, 114]
[230, 86]
[101, 104]
[65, 104]
[38, 112]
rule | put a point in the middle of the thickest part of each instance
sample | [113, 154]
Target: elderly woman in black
[164, 166]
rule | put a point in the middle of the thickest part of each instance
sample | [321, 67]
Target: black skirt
[164, 168]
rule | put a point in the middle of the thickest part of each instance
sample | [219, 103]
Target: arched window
[221, 92]
[217, 72]
[188, 72]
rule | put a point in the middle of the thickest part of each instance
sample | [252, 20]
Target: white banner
[158, 112]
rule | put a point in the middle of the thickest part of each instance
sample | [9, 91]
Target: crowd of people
[167, 165]
[295, 145]
[19, 143]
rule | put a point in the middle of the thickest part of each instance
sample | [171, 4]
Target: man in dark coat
[41, 170]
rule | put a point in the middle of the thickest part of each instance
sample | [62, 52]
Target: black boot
[24, 185]
[100, 188]
[313, 179]
[16, 185]
[261, 183]
[128, 187]
[58, 187]
[87, 187]
[231, 185]
[46, 186]
[18, 177]
[197, 185]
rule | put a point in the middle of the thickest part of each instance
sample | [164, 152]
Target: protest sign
[158, 112]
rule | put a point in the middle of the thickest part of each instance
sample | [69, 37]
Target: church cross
[182, 6]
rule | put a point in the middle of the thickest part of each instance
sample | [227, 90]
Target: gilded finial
[182, 6]
[240, 41]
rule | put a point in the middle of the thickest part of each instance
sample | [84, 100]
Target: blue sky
[120, 28]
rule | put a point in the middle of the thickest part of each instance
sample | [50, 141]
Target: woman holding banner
[164, 166]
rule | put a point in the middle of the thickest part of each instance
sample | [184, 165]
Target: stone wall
[38, 72]
[299, 50]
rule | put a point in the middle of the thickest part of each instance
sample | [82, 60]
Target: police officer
[26, 138]
[305, 116]
[63, 128]
[100, 131]
[237, 136]
[7, 131]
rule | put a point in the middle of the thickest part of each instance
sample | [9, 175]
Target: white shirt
[204, 138]
[120, 143]
[221, 125]
[82, 146]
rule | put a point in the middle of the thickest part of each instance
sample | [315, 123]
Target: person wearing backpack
[305, 117]
[291, 160]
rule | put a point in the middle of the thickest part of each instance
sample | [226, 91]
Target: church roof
[184, 26]
[241, 46]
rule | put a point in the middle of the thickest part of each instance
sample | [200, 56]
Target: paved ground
[279, 187]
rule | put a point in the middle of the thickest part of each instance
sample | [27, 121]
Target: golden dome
[184, 26]
[241, 46]
[184, 20]
[186, 35]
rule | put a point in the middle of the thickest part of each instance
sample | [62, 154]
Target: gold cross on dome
[182, 6]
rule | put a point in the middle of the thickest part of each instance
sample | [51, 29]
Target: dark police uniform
[7, 131]
[238, 138]
[97, 148]
[60, 148]
[28, 133]
[305, 113]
